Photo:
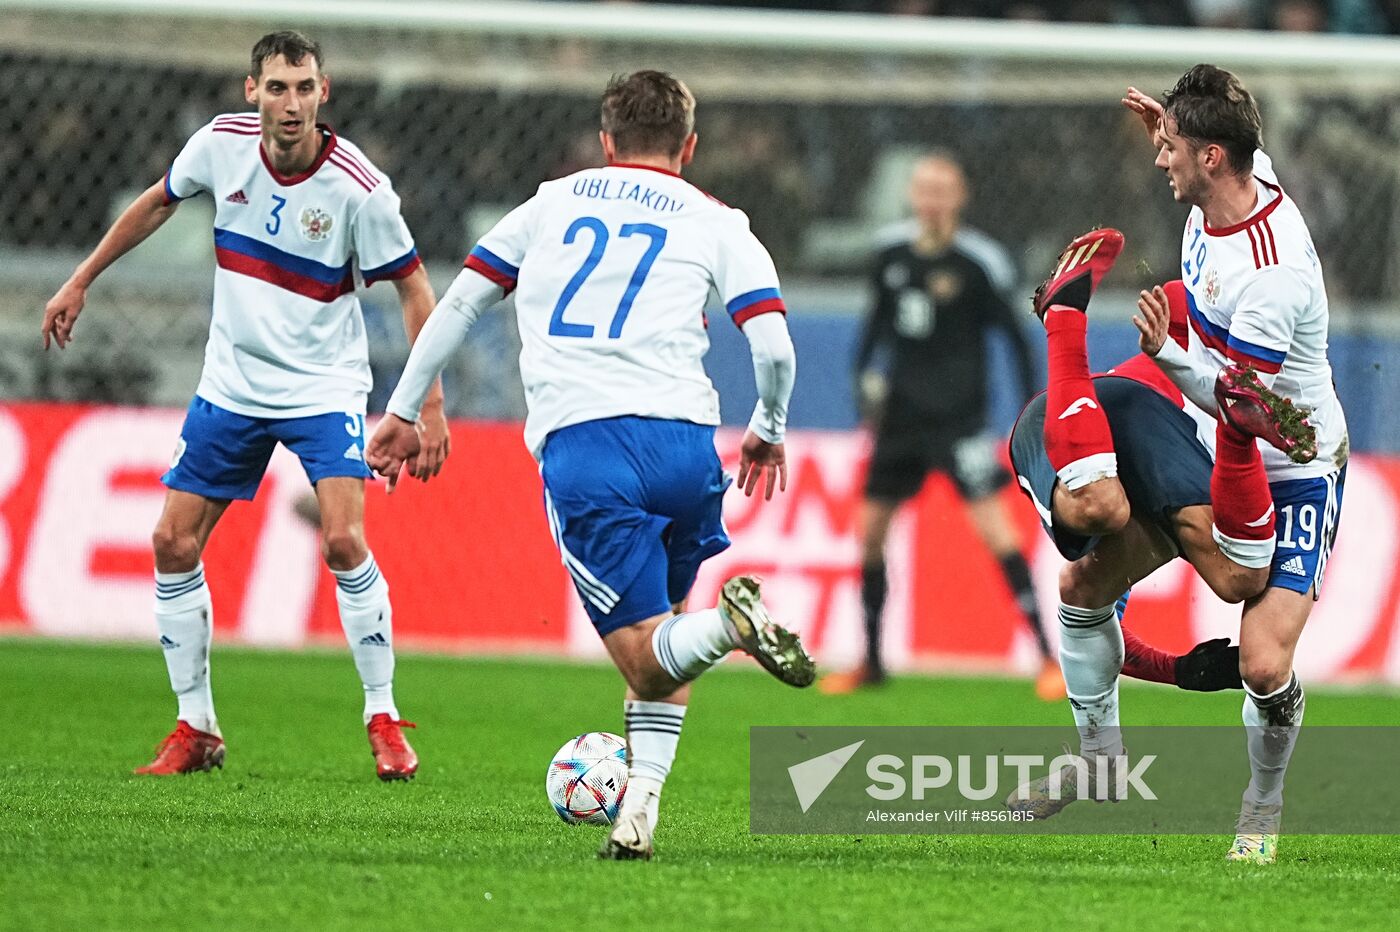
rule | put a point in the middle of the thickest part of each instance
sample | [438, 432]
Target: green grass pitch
[297, 833]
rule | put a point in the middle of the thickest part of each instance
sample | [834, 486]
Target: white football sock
[185, 618]
[1271, 729]
[688, 644]
[368, 620]
[1091, 657]
[653, 731]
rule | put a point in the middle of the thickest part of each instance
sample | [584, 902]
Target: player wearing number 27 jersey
[611, 269]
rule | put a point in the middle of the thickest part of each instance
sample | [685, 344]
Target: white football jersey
[1255, 295]
[611, 269]
[287, 337]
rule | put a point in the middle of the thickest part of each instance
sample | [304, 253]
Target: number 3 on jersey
[558, 326]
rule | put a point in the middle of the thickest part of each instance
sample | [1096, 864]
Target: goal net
[810, 123]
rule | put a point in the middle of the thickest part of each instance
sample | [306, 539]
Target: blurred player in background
[938, 292]
[611, 269]
[297, 208]
[1256, 299]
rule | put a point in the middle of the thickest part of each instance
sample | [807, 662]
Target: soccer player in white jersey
[1256, 300]
[611, 269]
[297, 209]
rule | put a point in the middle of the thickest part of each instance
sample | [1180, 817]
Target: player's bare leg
[367, 617]
[658, 657]
[185, 618]
[994, 527]
[874, 521]
[660, 654]
[1273, 714]
[1230, 580]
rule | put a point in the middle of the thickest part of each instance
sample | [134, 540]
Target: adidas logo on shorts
[352, 452]
[1293, 565]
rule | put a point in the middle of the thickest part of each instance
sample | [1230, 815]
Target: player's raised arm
[1192, 373]
[1148, 110]
[142, 218]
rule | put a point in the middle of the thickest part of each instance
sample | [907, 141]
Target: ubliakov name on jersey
[615, 189]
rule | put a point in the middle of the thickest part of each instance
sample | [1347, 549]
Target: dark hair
[292, 45]
[1210, 105]
[648, 112]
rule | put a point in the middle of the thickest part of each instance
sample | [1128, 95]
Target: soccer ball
[587, 778]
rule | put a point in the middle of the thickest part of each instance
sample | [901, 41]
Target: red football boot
[186, 750]
[1250, 408]
[1082, 266]
[393, 756]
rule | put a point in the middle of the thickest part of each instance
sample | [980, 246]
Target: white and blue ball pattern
[587, 779]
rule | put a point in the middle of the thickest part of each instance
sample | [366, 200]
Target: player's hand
[1210, 666]
[758, 457]
[395, 444]
[1153, 321]
[1147, 109]
[61, 313]
[435, 441]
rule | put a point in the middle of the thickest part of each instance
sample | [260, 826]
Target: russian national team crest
[316, 224]
[1212, 290]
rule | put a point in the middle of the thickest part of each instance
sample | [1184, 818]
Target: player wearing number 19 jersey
[297, 209]
[1256, 298]
[611, 269]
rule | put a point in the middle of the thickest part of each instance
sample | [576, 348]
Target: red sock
[1075, 425]
[1142, 661]
[1239, 487]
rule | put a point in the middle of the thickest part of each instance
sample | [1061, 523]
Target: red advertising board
[471, 565]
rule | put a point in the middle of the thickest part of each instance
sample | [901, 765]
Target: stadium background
[809, 122]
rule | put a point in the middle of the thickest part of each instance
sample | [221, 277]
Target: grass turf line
[297, 833]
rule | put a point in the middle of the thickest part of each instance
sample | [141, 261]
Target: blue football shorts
[223, 455]
[1306, 512]
[634, 505]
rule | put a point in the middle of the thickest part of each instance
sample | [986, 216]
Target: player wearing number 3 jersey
[611, 269]
[296, 210]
